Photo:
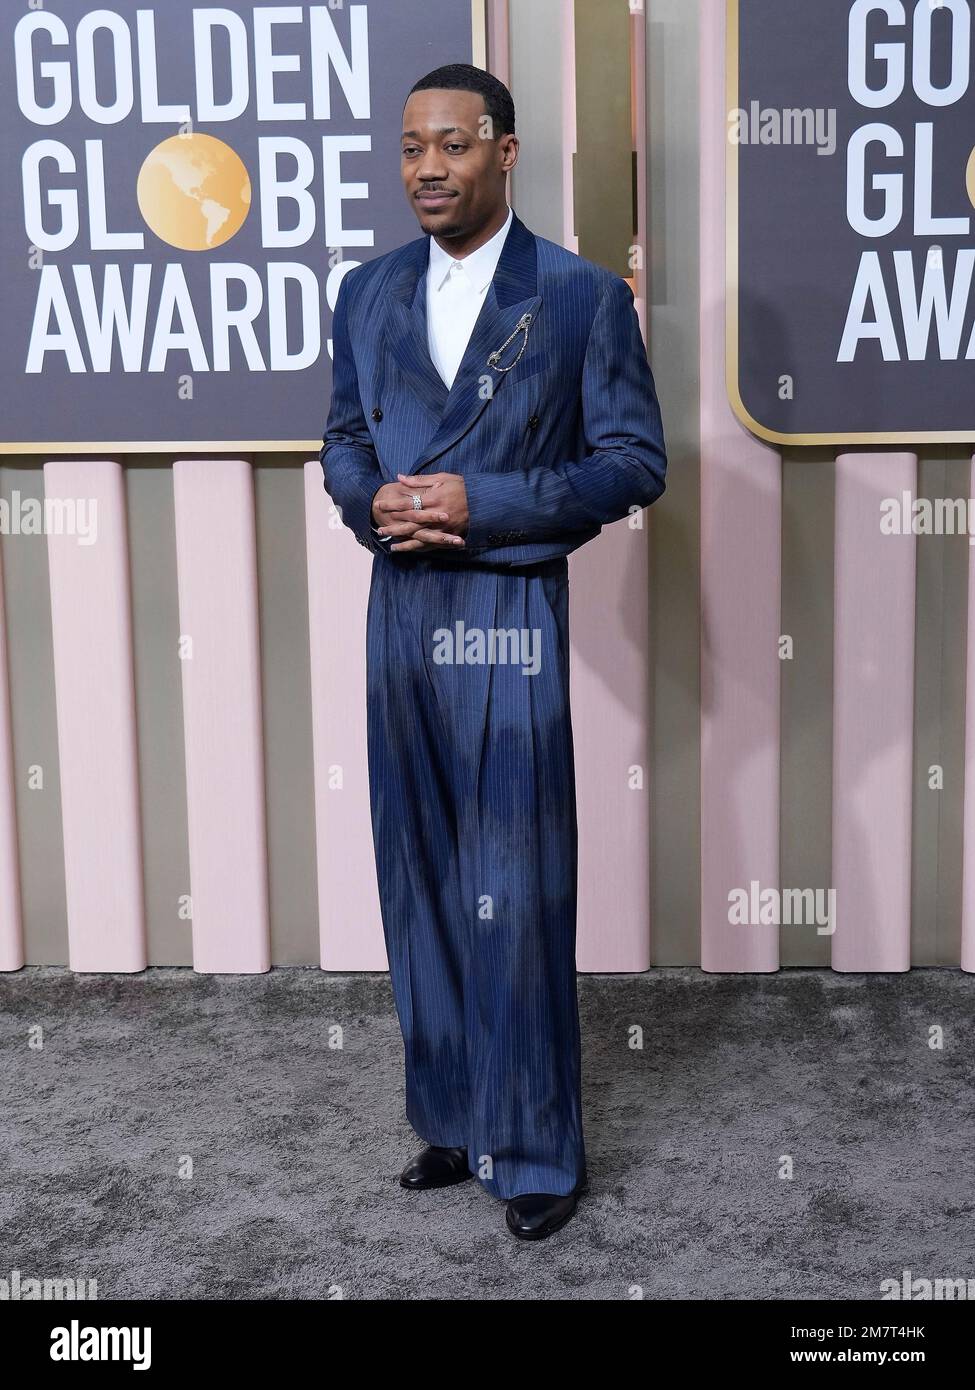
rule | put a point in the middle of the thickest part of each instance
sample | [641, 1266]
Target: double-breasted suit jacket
[565, 442]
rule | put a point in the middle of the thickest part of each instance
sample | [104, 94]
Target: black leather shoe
[435, 1167]
[535, 1215]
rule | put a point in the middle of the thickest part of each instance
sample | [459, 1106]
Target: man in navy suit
[492, 408]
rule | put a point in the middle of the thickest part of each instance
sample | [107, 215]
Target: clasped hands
[441, 522]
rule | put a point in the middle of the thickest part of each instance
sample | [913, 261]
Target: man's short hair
[463, 77]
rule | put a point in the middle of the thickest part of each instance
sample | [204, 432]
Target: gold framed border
[226, 446]
[731, 296]
[166, 446]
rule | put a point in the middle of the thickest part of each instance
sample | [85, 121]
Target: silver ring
[417, 502]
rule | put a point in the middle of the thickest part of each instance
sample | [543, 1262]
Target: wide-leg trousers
[474, 822]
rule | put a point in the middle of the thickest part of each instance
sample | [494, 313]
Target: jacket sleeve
[351, 470]
[625, 461]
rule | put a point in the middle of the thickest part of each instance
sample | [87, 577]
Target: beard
[451, 229]
[458, 221]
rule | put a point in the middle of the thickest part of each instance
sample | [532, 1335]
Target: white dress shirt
[455, 293]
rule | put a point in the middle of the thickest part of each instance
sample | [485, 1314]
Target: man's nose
[430, 170]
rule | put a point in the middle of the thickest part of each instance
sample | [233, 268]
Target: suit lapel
[513, 292]
[406, 329]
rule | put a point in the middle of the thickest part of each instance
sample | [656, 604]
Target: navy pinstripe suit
[470, 748]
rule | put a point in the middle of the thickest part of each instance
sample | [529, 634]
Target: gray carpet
[296, 1146]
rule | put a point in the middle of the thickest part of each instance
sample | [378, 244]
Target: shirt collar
[479, 265]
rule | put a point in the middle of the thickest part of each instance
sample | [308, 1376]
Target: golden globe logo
[193, 192]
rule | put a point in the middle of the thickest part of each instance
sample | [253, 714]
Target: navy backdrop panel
[799, 251]
[66, 389]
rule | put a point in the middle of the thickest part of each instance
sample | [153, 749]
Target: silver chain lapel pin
[494, 358]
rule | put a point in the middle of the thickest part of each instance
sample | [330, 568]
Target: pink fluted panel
[338, 590]
[740, 593]
[498, 53]
[568, 50]
[638, 60]
[610, 687]
[609, 669]
[873, 716]
[968, 855]
[91, 622]
[216, 559]
[609, 655]
[11, 934]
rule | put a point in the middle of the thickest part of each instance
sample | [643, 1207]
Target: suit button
[533, 422]
[376, 413]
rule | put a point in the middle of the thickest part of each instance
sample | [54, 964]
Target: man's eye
[409, 149]
[456, 147]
